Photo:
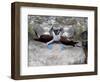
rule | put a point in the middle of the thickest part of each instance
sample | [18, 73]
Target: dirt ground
[40, 55]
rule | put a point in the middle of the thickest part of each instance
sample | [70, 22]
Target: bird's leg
[49, 44]
[51, 41]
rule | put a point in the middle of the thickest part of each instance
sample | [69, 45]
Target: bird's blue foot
[49, 46]
[62, 47]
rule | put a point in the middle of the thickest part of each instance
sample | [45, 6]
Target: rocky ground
[40, 55]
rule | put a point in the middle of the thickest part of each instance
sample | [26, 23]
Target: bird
[55, 35]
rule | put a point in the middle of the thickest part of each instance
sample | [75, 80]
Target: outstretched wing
[44, 38]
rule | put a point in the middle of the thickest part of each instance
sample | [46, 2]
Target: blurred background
[75, 27]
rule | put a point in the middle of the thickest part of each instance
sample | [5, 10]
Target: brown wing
[44, 38]
[65, 41]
